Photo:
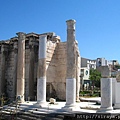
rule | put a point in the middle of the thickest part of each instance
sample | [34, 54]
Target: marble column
[31, 68]
[3, 69]
[21, 67]
[106, 94]
[71, 66]
[15, 70]
[41, 82]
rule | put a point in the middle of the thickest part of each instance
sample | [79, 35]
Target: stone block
[50, 51]
[61, 90]
[53, 64]
[52, 100]
[48, 59]
[50, 55]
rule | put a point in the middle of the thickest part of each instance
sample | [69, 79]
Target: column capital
[70, 24]
[21, 35]
[71, 21]
[43, 36]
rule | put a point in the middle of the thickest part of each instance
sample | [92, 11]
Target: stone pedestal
[71, 96]
[106, 94]
[113, 90]
[117, 95]
[21, 67]
[41, 82]
[71, 92]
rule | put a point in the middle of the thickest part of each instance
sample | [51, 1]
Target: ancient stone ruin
[32, 62]
[40, 67]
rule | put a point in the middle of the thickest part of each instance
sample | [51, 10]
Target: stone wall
[11, 72]
[61, 58]
[56, 70]
[9, 75]
[51, 69]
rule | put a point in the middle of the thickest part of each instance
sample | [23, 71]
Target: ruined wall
[61, 60]
[9, 75]
[56, 67]
[51, 69]
[10, 67]
[31, 67]
[56, 70]
[51, 61]
[7, 71]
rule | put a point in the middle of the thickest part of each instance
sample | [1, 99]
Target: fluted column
[15, 70]
[41, 82]
[31, 68]
[21, 67]
[3, 68]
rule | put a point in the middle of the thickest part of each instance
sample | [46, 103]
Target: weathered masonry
[19, 63]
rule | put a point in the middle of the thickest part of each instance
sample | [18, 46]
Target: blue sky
[97, 22]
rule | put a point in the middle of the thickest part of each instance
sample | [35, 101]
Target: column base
[71, 107]
[117, 106]
[41, 104]
[104, 109]
[77, 99]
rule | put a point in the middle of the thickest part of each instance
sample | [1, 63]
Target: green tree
[95, 77]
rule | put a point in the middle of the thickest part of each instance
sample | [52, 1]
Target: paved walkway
[32, 110]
